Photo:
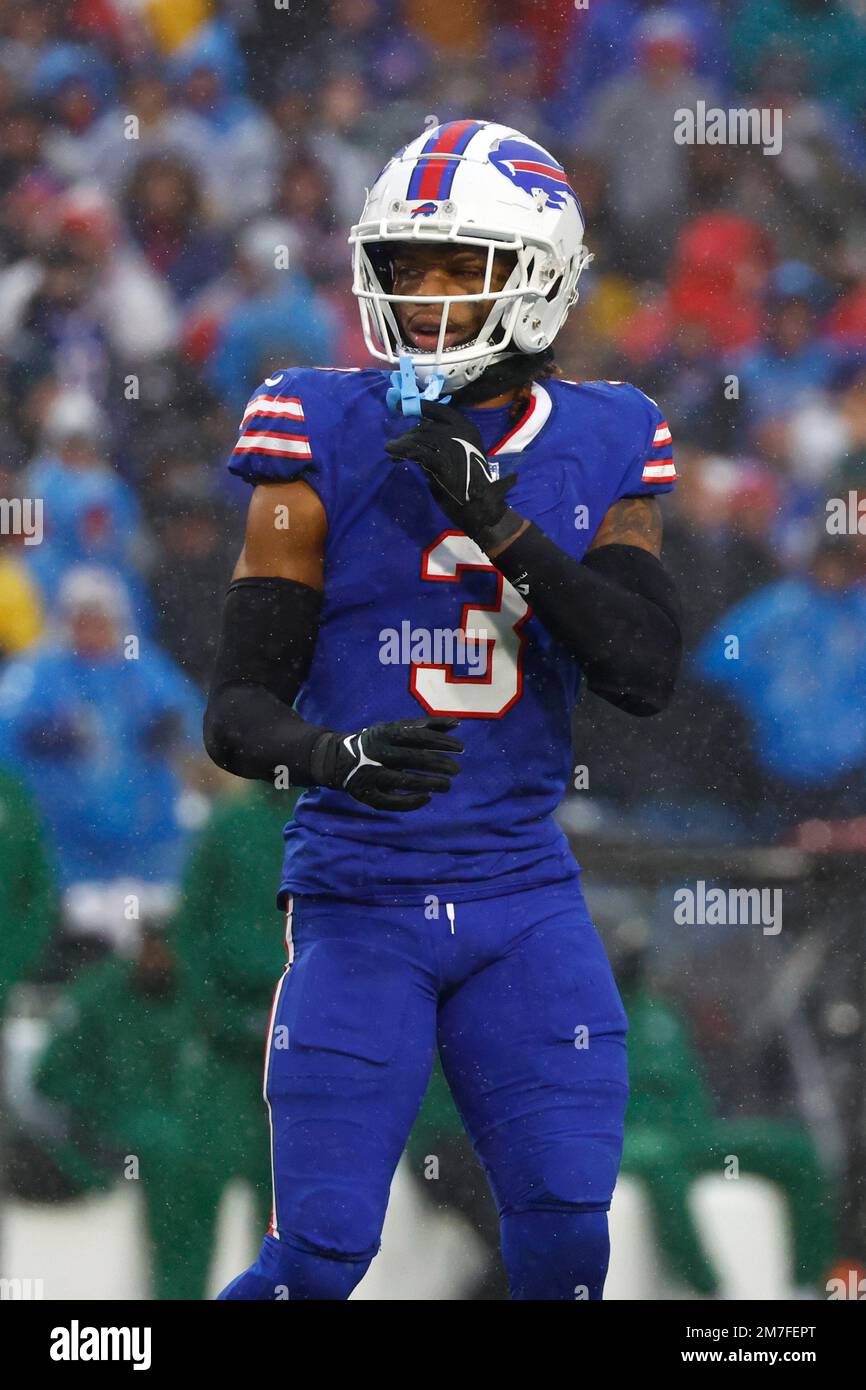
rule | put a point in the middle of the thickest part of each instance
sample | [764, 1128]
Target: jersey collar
[531, 423]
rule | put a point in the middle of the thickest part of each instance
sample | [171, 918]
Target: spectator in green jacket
[120, 1064]
[673, 1135]
[230, 945]
[157, 1063]
[28, 896]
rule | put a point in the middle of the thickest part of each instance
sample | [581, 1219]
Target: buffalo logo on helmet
[532, 169]
[424, 210]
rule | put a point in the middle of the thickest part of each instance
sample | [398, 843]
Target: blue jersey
[416, 619]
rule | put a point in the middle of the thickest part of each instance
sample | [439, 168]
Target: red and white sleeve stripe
[659, 467]
[258, 435]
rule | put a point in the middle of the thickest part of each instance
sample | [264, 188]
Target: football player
[461, 488]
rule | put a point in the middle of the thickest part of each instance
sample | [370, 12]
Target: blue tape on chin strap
[403, 393]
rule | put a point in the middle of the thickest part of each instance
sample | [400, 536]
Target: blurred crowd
[177, 181]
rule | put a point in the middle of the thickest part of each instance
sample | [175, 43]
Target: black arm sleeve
[265, 649]
[616, 611]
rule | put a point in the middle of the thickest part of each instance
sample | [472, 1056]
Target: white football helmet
[479, 184]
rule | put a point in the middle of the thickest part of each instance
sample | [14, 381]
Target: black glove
[450, 450]
[391, 767]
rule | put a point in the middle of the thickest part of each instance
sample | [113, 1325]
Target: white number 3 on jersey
[497, 627]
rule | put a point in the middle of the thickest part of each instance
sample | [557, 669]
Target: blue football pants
[531, 1030]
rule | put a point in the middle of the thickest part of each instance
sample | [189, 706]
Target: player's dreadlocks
[519, 370]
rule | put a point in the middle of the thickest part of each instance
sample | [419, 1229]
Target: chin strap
[519, 368]
[403, 393]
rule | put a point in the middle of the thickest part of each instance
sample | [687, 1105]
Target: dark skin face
[445, 270]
